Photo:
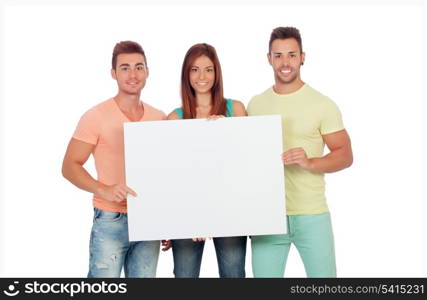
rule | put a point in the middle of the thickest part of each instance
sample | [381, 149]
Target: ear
[302, 58]
[269, 58]
[113, 74]
[148, 71]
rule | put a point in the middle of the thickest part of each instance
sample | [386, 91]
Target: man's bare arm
[339, 157]
[76, 156]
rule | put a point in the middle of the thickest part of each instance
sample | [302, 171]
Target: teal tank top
[229, 112]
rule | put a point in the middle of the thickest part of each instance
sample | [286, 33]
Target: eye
[193, 70]
[293, 55]
[276, 55]
[140, 67]
[210, 70]
[124, 68]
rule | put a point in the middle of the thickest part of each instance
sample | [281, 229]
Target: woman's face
[202, 75]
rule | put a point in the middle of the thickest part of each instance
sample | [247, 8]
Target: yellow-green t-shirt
[306, 116]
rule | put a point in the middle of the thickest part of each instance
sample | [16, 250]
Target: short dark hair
[126, 47]
[285, 33]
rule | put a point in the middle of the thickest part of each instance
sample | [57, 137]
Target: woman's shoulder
[238, 107]
[176, 114]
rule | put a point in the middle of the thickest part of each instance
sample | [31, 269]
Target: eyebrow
[205, 67]
[291, 52]
[128, 65]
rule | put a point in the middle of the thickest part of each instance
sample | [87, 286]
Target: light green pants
[311, 234]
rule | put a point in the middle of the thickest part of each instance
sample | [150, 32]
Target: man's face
[131, 73]
[286, 59]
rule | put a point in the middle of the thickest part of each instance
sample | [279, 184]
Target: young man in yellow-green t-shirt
[309, 121]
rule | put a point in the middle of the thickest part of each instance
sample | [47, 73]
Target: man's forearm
[334, 161]
[78, 176]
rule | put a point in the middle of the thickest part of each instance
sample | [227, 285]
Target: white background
[55, 64]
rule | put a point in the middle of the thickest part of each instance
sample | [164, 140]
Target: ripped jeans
[110, 249]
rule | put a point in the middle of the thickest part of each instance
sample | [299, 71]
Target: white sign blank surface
[200, 178]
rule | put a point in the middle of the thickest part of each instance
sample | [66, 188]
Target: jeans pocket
[107, 216]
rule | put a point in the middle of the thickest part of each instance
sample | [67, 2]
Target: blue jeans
[110, 249]
[230, 254]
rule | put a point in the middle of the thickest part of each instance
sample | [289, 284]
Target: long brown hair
[188, 94]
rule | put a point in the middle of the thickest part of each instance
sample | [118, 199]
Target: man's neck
[127, 102]
[287, 88]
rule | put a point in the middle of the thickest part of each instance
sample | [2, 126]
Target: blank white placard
[205, 178]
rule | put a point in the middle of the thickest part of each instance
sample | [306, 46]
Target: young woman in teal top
[202, 97]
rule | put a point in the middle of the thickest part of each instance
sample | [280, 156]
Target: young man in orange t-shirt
[100, 132]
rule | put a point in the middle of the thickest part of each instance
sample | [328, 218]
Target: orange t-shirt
[102, 126]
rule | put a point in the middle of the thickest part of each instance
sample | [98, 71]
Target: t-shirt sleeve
[164, 116]
[332, 119]
[88, 128]
[249, 108]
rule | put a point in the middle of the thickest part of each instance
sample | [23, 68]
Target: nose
[202, 75]
[285, 61]
[132, 73]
